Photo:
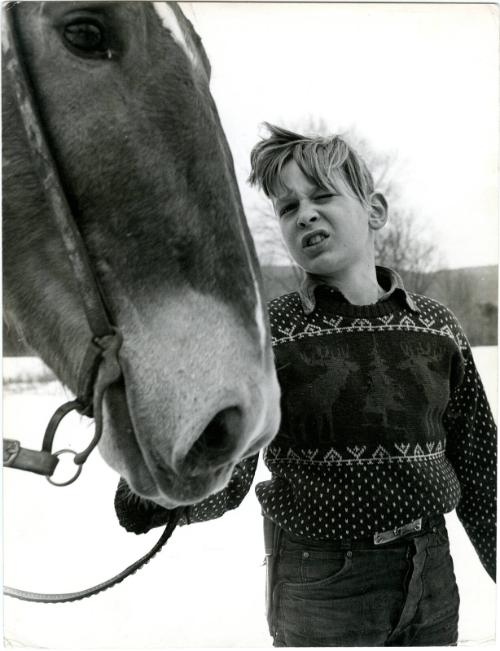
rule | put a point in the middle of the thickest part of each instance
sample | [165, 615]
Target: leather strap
[38, 461]
[52, 598]
[47, 170]
[102, 350]
[100, 366]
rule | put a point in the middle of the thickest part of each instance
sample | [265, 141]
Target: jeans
[403, 593]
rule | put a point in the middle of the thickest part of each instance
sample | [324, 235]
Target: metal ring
[69, 481]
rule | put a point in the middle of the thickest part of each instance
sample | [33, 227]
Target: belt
[384, 537]
[410, 530]
[399, 536]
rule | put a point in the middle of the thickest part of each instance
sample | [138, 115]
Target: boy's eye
[324, 197]
[286, 209]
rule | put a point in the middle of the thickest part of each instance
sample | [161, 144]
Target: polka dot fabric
[344, 491]
[472, 449]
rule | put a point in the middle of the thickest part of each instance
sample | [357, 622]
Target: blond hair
[320, 159]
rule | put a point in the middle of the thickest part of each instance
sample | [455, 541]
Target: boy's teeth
[315, 239]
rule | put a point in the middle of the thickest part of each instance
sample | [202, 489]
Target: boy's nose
[306, 217]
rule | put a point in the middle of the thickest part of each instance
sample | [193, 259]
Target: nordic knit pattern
[384, 420]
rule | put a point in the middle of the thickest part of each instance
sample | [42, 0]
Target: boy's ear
[379, 211]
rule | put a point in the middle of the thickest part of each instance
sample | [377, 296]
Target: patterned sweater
[384, 420]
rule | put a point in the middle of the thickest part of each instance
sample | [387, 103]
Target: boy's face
[327, 233]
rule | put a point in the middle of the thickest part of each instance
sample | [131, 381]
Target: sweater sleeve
[139, 515]
[471, 448]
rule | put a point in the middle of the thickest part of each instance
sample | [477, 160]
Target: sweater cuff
[137, 514]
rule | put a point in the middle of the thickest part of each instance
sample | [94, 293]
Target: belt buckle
[383, 537]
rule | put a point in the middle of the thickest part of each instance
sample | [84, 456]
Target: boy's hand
[137, 514]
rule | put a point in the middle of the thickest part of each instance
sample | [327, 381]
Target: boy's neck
[358, 287]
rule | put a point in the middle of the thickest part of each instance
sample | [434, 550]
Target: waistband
[398, 537]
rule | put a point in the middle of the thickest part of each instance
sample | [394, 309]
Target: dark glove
[137, 514]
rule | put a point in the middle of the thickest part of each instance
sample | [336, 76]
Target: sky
[417, 81]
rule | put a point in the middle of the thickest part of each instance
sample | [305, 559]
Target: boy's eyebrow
[280, 187]
[286, 196]
[282, 201]
[290, 194]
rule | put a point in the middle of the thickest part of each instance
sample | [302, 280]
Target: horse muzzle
[197, 397]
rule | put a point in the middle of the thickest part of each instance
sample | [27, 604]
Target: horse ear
[379, 211]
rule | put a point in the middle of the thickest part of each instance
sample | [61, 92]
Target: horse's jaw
[185, 415]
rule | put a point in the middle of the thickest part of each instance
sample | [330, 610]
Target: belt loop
[345, 544]
[278, 536]
[269, 535]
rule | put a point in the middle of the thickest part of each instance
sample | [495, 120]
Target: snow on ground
[204, 589]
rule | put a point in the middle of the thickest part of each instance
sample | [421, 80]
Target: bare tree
[402, 246]
[406, 243]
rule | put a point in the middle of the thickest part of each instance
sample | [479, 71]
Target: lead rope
[107, 374]
[54, 598]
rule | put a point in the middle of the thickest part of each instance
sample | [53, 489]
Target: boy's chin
[320, 267]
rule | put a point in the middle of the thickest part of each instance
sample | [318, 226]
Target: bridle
[100, 367]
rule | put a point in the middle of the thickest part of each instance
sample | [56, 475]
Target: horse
[122, 91]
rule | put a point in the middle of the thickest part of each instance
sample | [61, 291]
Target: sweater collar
[387, 278]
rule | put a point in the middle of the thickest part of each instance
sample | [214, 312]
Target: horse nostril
[217, 443]
[221, 430]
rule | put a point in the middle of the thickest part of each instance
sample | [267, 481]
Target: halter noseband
[100, 366]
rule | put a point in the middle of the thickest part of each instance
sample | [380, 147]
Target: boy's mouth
[314, 238]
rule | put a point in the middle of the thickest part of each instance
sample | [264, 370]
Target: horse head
[122, 89]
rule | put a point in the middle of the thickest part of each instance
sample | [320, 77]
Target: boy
[385, 425]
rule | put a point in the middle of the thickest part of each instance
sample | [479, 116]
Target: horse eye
[87, 37]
